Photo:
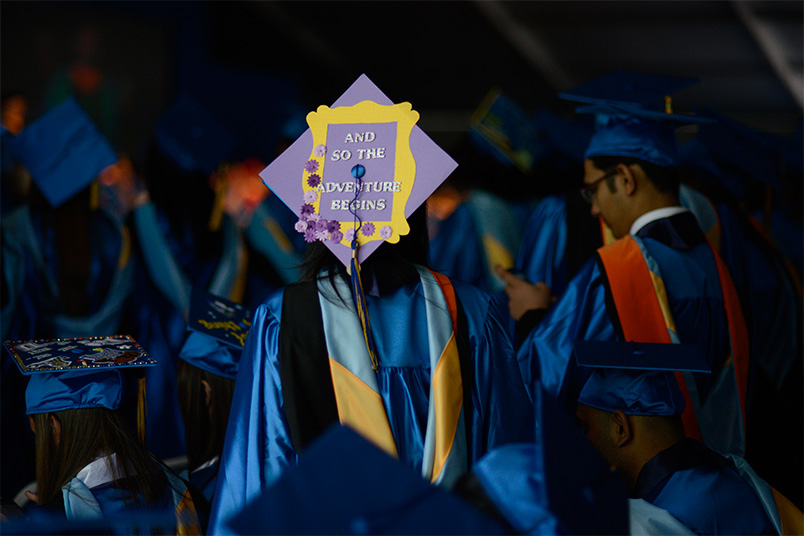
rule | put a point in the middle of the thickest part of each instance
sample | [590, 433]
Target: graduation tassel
[216, 216]
[360, 305]
[142, 408]
[357, 283]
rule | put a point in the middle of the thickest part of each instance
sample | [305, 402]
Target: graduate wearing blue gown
[629, 410]
[66, 264]
[260, 438]
[206, 375]
[108, 473]
[676, 252]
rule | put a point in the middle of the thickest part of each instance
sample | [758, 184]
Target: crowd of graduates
[559, 255]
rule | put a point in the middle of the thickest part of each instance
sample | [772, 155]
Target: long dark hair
[86, 434]
[204, 429]
[389, 267]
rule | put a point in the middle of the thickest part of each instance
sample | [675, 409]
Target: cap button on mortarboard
[358, 171]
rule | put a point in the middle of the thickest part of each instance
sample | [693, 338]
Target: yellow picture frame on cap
[362, 138]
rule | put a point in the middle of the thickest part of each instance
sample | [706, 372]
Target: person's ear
[207, 393]
[621, 428]
[628, 178]
[55, 427]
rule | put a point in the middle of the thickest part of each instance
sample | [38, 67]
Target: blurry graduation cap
[219, 328]
[191, 137]
[567, 137]
[358, 172]
[636, 378]
[753, 154]
[79, 372]
[63, 151]
[343, 484]
[557, 485]
[630, 88]
[501, 127]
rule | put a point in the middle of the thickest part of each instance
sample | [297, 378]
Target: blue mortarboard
[210, 354]
[636, 378]
[627, 87]
[754, 153]
[343, 484]
[192, 137]
[557, 485]
[502, 128]
[569, 138]
[631, 131]
[64, 151]
[71, 373]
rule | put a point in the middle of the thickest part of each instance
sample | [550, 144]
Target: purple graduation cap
[360, 170]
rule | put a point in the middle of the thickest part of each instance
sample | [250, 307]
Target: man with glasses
[657, 281]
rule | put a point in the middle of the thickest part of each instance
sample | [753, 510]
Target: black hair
[389, 267]
[665, 179]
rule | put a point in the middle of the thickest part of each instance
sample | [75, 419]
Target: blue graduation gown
[693, 290]
[482, 231]
[258, 443]
[30, 311]
[703, 491]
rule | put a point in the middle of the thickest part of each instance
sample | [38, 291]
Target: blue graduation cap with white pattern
[80, 372]
[636, 378]
[64, 151]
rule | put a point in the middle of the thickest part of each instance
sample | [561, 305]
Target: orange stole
[639, 310]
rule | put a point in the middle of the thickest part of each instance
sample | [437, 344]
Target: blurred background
[257, 64]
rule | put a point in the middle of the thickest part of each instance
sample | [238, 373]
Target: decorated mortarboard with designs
[191, 137]
[358, 172]
[508, 131]
[628, 87]
[78, 353]
[64, 151]
[222, 319]
[636, 378]
[80, 372]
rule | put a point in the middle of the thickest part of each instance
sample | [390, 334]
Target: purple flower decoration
[322, 235]
[314, 217]
[367, 229]
[320, 150]
[321, 225]
[301, 226]
[310, 196]
[349, 235]
[333, 225]
[313, 180]
[307, 210]
[336, 236]
[311, 166]
[309, 236]
[385, 232]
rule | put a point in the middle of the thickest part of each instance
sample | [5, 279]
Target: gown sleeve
[579, 314]
[257, 445]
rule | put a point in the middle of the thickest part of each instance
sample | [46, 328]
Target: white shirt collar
[97, 472]
[206, 464]
[653, 215]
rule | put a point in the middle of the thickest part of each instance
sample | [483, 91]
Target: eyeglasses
[588, 191]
